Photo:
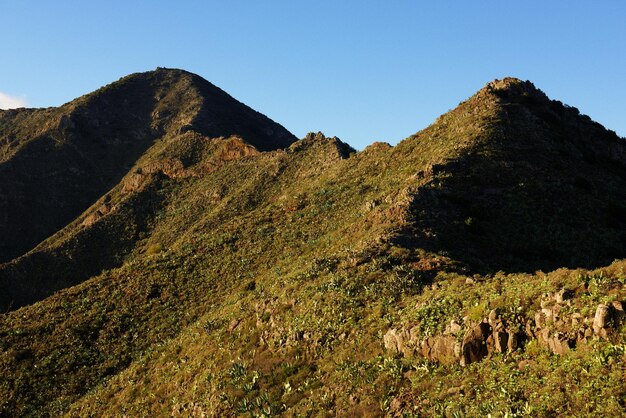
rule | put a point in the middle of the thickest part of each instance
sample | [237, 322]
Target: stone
[515, 341]
[601, 318]
[548, 314]
[577, 320]
[499, 326]
[369, 205]
[454, 391]
[393, 341]
[442, 349]
[524, 364]
[559, 344]
[474, 347]
[233, 324]
[396, 406]
[540, 321]
[543, 337]
[501, 340]
[97, 215]
[529, 329]
[453, 328]
[493, 317]
[133, 182]
[562, 295]
[401, 341]
[558, 296]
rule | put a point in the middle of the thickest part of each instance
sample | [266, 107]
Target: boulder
[474, 347]
[500, 340]
[97, 215]
[234, 323]
[601, 319]
[453, 328]
[133, 182]
[559, 343]
[442, 349]
[393, 341]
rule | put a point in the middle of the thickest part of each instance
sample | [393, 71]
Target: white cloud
[11, 102]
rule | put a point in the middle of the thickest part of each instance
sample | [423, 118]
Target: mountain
[542, 188]
[228, 269]
[56, 162]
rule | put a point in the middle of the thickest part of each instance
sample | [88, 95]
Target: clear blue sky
[364, 71]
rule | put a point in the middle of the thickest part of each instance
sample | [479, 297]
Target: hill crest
[312, 279]
[56, 162]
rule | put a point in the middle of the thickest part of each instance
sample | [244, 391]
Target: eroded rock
[474, 347]
[554, 327]
[601, 318]
[441, 348]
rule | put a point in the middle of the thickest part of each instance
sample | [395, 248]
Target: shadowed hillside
[543, 187]
[56, 162]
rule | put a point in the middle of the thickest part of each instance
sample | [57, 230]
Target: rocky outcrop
[394, 340]
[505, 331]
[171, 167]
[474, 347]
[97, 214]
[441, 348]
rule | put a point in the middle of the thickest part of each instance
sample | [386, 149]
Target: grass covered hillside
[472, 269]
[55, 162]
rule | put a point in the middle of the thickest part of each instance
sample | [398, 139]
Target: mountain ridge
[95, 143]
[421, 278]
[539, 155]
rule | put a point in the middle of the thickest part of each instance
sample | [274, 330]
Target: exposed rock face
[394, 341]
[474, 346]
[97, 215]
[601, 319]
[550, 328]
[441, 348]
[342, 150]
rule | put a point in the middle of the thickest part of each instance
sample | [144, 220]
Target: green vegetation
[228, 281]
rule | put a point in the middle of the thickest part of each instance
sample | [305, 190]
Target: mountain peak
[90, 143]
[510, 83]
[534, 173]
[513, 89]
[312, 140]
[179, 101]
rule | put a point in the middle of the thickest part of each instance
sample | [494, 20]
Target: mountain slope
[543, 188]
[316, 280]
[56, 162]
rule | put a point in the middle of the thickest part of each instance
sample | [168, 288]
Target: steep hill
[544, 187]
[221, 278]
[56, 162]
